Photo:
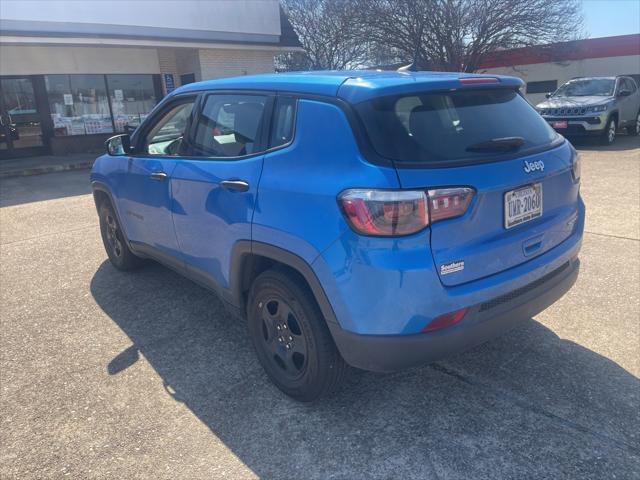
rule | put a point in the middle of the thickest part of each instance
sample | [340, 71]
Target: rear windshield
[450, 126]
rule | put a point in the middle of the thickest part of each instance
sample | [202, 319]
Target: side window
[167, 135]
[229, 126]
[629, 85]
[283, 121]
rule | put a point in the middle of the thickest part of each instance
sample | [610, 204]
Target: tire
[609, 133]
[291, 338]
[635, 129]
[115, 244]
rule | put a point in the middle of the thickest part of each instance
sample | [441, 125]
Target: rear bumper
[482, 322]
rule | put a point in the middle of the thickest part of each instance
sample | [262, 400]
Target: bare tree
[456, 35]
[328, 34]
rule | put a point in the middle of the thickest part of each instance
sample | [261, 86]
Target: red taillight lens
[445, 320]
[385, 213]
[389, 213]
[449, 202]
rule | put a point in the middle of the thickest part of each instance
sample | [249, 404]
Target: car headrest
[424, 122]
[247, 119]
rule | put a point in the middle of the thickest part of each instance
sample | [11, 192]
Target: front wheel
[609, 133]
[635, 128]
[291, 338]
[114, 241]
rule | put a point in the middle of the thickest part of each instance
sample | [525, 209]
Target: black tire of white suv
[634, 128]
[608, 135]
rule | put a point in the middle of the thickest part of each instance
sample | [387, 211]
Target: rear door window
[454, 126]
[230, 126]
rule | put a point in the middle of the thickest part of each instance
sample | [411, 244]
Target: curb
[26, 172]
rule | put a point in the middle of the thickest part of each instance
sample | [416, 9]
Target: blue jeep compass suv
[370, 219]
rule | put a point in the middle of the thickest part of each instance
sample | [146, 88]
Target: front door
[20, 118]
[144, 190]
[215, 187]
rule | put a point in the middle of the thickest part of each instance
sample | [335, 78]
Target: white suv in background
[594, 106]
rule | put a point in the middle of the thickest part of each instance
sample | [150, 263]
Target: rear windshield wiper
[497, 145]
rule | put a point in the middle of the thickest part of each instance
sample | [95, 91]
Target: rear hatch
[491, 140]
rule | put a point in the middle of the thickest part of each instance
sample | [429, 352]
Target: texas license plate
[522, 205]
[560, 125]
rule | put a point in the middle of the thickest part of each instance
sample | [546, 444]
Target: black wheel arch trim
[245, 248]
[102, 187]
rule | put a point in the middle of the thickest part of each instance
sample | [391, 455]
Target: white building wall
[241, 16]
[565, 71]
[233, 63]
[34, 60]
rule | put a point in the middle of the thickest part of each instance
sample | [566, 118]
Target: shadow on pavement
[621, 143]
[38, 188]
[528, 404]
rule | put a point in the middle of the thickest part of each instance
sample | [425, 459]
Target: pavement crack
[521, 402]
[621, 237]
[44, 235]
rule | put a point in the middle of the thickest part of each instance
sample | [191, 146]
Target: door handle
[238, 185]
[158, 176]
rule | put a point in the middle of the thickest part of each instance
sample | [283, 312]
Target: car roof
[608, 77]
[353, 86]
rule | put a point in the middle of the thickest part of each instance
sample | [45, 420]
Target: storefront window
[79, 104]
[132, 99]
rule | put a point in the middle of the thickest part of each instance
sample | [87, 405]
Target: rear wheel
[291, 338]
[634, 129]
[609, 133]
[114, 241]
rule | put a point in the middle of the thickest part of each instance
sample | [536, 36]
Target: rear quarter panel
[297, 207]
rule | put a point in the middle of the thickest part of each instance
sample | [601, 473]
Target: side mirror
[624, 93]
[548, 95]
[119, 145]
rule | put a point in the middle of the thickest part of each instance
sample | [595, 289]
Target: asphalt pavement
[106, 374]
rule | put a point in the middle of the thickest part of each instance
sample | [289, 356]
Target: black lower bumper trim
[383, 353]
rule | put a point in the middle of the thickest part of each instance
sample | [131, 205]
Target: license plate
[522, 205]
[562, 124]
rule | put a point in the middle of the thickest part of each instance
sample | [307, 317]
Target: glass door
[20, 119]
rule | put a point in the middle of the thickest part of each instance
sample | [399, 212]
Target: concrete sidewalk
[20, 167]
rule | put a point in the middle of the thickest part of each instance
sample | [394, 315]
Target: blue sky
[605, 18]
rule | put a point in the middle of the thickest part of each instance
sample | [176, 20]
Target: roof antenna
[413, 66]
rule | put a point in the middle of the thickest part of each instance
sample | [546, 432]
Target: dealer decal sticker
[451, 267]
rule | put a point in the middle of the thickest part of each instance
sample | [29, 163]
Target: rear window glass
[449, 126]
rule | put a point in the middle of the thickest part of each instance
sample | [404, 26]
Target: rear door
[214, 188]
[493, 141]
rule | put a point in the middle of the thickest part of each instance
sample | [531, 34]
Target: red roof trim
[620, 46]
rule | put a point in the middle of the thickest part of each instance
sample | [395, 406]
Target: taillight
[402, 212]
[449, 202]
[385, 212]
[446, 320]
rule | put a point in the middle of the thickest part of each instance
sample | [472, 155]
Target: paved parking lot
[143, 375]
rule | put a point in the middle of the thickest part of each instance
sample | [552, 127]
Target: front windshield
[601, 87]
